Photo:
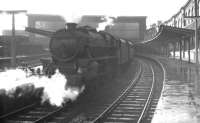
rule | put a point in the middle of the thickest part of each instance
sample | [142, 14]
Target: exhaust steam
[54, 90]
[107, 21]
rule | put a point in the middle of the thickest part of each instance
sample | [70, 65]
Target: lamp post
[196, 16]
[13, 42]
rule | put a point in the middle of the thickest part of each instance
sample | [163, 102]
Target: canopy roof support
[173, 35]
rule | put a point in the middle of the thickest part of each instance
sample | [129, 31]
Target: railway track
[133, 103]
[136, 103]
[33, 113]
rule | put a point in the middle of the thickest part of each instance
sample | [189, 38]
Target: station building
[179, 20]
[44, 22]
[127, 27]
[130, 28]
[182, 24]
[39, 21]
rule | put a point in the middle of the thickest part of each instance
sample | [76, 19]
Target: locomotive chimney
[71, 26]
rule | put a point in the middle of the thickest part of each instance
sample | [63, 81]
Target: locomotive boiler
[81, 53]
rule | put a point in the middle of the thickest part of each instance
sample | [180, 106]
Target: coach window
[107, 38]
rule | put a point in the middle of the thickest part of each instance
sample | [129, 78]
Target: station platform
[180, 98]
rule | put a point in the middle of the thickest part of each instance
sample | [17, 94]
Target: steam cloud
[108, 21]
[54, 87]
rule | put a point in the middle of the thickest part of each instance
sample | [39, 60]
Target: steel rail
[157, 61]
[48, 115]
[107, 110]
[17, 111]
[149, 99]
[164, 71]
[41, 119]
[160, 64]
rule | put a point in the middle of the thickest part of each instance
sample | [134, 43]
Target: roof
[182, 8]
[169, 34]
[129, 19]
[46, 17]
[92, 18]
[125, 19]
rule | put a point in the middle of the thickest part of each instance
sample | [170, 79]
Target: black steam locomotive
[82, 53]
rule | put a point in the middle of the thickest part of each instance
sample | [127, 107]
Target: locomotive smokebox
[65, 45]
[71, 26]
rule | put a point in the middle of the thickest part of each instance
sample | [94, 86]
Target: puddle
[180, 100]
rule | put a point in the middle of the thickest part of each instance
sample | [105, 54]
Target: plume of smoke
[108, 21]
[73, 17]
[54, 88]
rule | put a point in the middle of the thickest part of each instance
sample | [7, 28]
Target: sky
[71, 10]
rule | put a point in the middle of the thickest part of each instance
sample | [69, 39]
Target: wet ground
[180, 99]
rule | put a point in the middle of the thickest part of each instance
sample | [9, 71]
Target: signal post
[13, 42]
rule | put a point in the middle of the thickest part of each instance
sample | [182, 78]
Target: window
[189, 15]
[181, 23]
[175, 23]
[198, 8]
[178, 23]
[184, 22]
[192, 11]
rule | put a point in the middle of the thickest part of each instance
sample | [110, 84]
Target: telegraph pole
[13, 42]
[196, 16]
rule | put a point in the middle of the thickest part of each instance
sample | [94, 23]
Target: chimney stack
[71, 26]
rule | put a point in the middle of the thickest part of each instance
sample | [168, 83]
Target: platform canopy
[169, 34]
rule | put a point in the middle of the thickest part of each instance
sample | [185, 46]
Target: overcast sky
[72, 9]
